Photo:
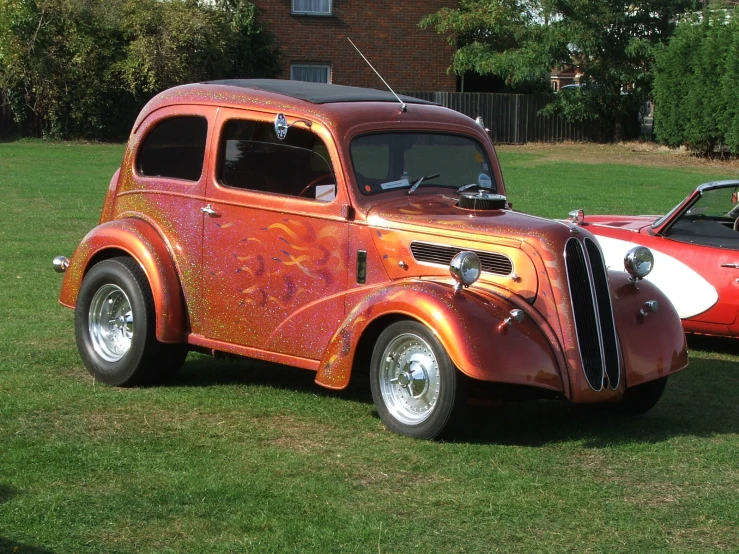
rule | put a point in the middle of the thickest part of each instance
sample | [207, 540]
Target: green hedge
[696, 84]
[83, 68]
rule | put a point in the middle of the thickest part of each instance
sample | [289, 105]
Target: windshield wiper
[418, 183]
[465, 187]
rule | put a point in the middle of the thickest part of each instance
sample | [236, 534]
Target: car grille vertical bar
[584, 311]
[605, 313]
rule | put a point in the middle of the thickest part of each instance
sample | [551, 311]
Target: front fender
[141, 241]
[654, 345]
[466, 324]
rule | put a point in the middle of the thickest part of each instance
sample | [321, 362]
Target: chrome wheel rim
[409, 379]
[111, 323]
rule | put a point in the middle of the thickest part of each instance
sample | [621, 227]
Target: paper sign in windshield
[395, 184]
[325, 193]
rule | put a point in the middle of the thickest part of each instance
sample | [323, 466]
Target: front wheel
[640, 399]
[114, 326]
[416, 388]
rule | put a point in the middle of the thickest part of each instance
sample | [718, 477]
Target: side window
[174, 148]
[251, 157]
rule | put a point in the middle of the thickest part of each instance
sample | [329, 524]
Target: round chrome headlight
[577, 217]
[465, 268]
[639, 262]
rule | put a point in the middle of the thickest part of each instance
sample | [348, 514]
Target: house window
[313, 73]
[314, 7]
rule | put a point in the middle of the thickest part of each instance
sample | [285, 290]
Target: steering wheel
[736, 224]
[315, 182]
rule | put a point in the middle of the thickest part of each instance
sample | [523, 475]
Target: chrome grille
[605, 313]
[591, 306]
[499, 264]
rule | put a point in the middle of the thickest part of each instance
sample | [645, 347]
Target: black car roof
[317, 93]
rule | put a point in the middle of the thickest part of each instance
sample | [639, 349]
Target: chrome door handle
[208, 209]
[734, 265]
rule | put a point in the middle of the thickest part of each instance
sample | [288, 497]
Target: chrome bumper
[60, 264]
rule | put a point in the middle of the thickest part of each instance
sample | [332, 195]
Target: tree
[71, 68]
[169, 43]
[251, 48]
[696, 79]
[674, 73]
[729, 108]
[610, 42]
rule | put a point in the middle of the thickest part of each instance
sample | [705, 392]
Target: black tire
[115, 321]
[640, 399]
[415, 387]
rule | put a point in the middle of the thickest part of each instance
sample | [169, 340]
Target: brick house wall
[561, 77]
[387, 32]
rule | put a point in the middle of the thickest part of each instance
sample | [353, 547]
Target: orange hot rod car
[339, 230]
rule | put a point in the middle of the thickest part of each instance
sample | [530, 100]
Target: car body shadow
[6, 493]
[10, 546]
[725, 345]
[205, 371]
[693, 405]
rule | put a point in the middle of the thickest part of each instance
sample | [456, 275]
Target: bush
[84, 68]
[695, 83]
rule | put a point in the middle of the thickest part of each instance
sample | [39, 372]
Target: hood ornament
[482, 200]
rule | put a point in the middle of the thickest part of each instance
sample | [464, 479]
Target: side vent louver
[499, 264]
[591, 305]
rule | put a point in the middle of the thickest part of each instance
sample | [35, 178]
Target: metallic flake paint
[274, 277]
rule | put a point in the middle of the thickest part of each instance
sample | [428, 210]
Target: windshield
[389, 161]
[711, 220]
[720, 202]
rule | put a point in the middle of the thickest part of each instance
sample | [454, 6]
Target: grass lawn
[238, 457]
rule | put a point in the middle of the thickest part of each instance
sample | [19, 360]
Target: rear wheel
[640, 399]
[115, 322]
[416, 388]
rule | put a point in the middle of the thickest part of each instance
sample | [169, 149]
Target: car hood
[626, 222]
[439, 214]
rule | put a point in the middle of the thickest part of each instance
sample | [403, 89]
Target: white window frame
[309, 66]
[311, 7]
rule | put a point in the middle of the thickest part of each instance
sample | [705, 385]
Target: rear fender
[466, 324]
[109, 203]
[141, 241]
[652, 345]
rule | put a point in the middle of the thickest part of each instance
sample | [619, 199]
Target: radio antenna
[403, 107]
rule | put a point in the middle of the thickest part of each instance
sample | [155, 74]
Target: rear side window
[174, 148]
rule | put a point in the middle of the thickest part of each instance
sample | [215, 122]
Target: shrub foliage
[695, 84]
[83, 68]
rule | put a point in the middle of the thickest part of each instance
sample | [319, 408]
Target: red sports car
[696, 253]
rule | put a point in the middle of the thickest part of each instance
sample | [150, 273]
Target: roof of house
[317, 93]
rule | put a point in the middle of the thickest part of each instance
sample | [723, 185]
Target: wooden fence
[515, 118]
[7, 125]
[511, 118]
